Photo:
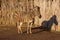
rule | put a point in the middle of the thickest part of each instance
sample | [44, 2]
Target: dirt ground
[10, 33]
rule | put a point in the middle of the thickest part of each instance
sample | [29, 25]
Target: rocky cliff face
[12, 10]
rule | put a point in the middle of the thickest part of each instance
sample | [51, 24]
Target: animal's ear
[40, 16]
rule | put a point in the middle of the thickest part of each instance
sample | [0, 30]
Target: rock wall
[48, 8]
[10, 10]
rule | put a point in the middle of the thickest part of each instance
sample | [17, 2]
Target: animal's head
[54, 19]
[38, 11]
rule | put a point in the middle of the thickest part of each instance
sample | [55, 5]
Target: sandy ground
[10, 33]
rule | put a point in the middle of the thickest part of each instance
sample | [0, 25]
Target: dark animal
[46, 25]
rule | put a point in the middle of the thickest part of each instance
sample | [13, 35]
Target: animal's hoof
[19, 32]
[27, 32]
[30, 32]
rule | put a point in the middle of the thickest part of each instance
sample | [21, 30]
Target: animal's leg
[28, 28]
[19, 28]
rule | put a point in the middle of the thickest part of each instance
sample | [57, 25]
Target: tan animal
[28, 18]
[25, 18]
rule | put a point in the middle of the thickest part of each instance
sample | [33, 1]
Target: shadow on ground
[10, 33]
